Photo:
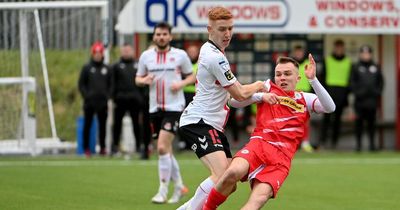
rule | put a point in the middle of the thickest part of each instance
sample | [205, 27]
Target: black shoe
[144, 155]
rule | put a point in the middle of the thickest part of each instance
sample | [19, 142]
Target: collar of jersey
[169, 49]
[211, 42]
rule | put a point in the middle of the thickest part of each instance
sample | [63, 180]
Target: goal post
[22, 85]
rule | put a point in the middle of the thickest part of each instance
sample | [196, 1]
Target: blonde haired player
[202, 122]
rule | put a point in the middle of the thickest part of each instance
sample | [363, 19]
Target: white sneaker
[178, 194]
[159, 198]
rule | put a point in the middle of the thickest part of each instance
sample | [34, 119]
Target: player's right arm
[142, 77]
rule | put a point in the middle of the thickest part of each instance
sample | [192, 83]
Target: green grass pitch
[317, 181]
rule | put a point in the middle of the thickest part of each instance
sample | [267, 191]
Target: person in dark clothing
[335, 76]
[367, 84]
[94, 85]
[127, 98]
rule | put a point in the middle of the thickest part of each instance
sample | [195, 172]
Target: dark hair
[283, 60]
[163, 25]
[366, 48]
[126, 44]
[338, 43]
[298, 47]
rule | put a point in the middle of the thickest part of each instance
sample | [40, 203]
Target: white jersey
[167, 68]
[210, 102]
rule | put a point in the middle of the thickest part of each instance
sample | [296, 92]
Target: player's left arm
[323, 102]
[187, 70]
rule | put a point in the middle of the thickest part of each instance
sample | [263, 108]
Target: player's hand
[270, 98]
[311, 68]
[148, 80]
[176, 86]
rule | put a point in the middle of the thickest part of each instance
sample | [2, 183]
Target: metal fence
[62, 28]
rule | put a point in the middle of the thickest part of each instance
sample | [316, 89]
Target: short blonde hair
[219, 13]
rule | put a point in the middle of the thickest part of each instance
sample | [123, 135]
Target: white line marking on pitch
[110, 163]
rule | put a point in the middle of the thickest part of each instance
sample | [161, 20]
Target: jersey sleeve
[142, 70]
[186, 64]
[222, 71]
[312, 102]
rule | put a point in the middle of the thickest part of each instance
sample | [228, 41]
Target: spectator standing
[335, 77]
[367, 85]
[94, 86]
[127, 97]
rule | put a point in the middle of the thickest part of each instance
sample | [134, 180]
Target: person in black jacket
[367, 85]
[94, 85]
[128, 97]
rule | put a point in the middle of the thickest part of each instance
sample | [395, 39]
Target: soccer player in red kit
[282, 114]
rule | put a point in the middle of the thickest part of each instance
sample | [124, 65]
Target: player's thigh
[236, 170]
[260, 194]
[216, 162]
[170, 122]
[204, 139]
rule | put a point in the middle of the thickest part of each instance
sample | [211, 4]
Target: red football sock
[214, 200]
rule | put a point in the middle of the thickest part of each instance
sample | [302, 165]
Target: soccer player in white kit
[162, 68]
[202, 122]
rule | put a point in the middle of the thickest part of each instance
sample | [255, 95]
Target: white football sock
[199, 198]
[176, 173]
[164, 172]
[185, 205]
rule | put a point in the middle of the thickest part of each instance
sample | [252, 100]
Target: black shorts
[168, 121]
[205, 139]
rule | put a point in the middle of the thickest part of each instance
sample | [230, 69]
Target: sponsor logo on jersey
[291, 103]
[229, 75]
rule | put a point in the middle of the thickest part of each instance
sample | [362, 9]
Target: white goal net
[43, 45]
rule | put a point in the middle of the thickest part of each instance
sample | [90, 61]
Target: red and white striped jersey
[213, 76]
[167, 67]
[283, 124]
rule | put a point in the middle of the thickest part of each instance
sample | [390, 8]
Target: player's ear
[209, 28]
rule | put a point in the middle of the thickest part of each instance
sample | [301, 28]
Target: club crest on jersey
[297, 95]
[291, 103]
[104, 71]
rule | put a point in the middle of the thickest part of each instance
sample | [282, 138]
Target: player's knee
[162, 150]
[231, 177]
[234, 188]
